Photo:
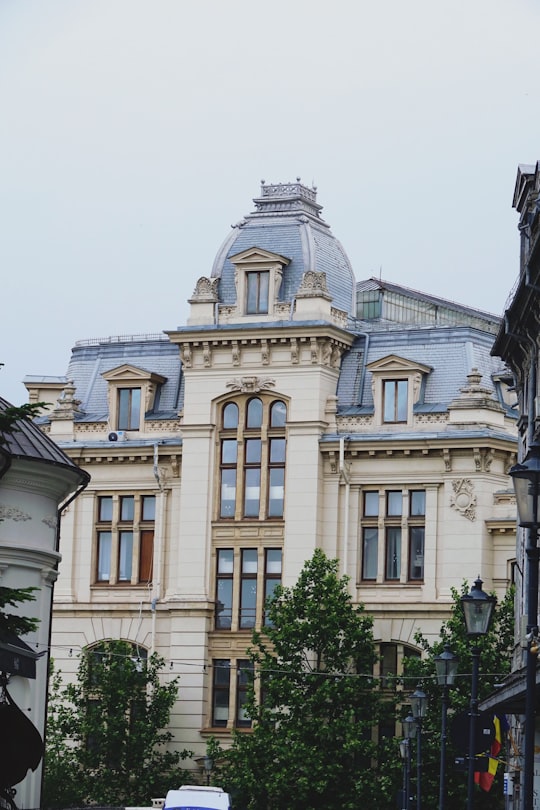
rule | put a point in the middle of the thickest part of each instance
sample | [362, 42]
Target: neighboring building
[38, 483]
[295, 410]
[517, 343]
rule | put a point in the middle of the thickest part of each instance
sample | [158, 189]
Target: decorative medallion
[250, 385]
[464, 500]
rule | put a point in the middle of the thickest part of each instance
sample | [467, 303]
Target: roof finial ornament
[298, 179]
[263, 182]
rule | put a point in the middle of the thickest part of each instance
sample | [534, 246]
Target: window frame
[258, 426]
[124, 531]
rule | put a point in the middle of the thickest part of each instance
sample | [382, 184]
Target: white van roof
[196, 797]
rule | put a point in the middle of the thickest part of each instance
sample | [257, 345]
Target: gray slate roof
[287, 222]
[28, 442]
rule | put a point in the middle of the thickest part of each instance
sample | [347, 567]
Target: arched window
[230, 416]
[254, 413]
[278, 414]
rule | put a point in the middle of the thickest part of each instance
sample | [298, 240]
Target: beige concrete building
[297, 409]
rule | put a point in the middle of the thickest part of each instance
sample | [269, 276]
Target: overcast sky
[134, 133]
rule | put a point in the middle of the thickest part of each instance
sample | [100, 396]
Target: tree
[495, 662]
[11, 622]
[105, 735]
[311, 744]
[10, 416]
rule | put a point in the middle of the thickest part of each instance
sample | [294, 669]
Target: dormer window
[397, 385]
[395, 394]
[257, 287]
[129, 408]
[258, 275]
[132, 393]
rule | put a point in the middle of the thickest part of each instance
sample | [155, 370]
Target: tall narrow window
[229, 451]
[276, 474]
[257, 288]
[370, 546]
[129, 408]
[104, 556]
[254, 413]
[221, 692]
[394, 509]
[272, 575]
[252, 482]
[125, 556]
[248, 589]
[395, 400]
[243, 680]
[417, 501]
[370, 535]
[224, 588]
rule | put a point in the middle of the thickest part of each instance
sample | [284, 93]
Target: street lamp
[409, 729]
[404, 753]
[478, 610]
[446, 666]
[207, 764]
[419, 702]
[526, 480]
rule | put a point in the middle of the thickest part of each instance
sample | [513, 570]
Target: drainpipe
[344, 479]
[158, 546]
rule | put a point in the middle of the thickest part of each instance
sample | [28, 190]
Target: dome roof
[287, 221]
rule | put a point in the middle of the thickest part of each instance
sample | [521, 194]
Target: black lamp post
[526, 480]
[446, 666]
[478, 610]
[404, 752]
[419, 702]
[409, 729]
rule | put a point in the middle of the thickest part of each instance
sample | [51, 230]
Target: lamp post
[404, 753]
[409, 729]
[526, 480]
[446, 666]
[478, 610]
[419, 702]
[207, 765]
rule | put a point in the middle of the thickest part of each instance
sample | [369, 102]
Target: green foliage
[311, 743]
[106, 742]
[13, 414]
[11, 622]
[495, 663]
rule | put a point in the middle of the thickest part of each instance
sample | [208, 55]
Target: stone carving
[313, 285]
[464, 500]
[186, 355]
[207, 355]
[50, 521]
[13, 513]
[206, 289]
[250, 385]
[67, 406]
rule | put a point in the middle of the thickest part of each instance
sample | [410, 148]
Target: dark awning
[510, 697]
[16, 657]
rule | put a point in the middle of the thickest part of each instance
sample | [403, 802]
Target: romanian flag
[485, 780]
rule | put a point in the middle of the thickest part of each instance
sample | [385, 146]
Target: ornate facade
[297, 409]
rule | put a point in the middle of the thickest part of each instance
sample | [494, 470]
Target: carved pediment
[127, 373]
[394, 364]
[257, 256]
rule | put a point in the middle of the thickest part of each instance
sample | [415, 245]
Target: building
[38, 483]
[517, 344]
[296, 409]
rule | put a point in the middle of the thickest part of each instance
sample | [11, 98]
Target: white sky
[133, 133]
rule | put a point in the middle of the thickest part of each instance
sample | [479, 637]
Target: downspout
[344, 479]
[365, 335]
[158, 547]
